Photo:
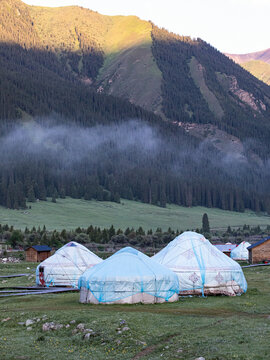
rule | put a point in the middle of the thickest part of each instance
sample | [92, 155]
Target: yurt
[130, 277]
[241, 251]
[201, 268]
[66, 266]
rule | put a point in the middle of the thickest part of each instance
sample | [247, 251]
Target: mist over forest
[130, 159]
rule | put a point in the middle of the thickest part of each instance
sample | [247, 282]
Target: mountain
[43, 73]
[263, 55]
[73, 81]
[257, 63]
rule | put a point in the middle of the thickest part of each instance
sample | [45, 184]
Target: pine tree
[31, 194]
[205, 224]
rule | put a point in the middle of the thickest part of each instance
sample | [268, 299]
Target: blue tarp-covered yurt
[130, 277]
[241, 251]
[66, 266]
[201, 267]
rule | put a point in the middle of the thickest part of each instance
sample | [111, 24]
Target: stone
[125, 328]
[67, 326]
[6, 319]
[29, 322]
[180, 350]
[122, 322]
[75, 331]
[200, 358]
[139, 342]
[21, 323]
[118, 342]
[29, 328]
[80, 326]
[87, 336]
[48, 326]
[38, 320]
[88, 331]
[57, 327]
[72, 322]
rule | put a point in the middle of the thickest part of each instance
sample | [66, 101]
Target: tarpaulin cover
[201, 268]
[127, 273]
[241, 251]
[66, 265]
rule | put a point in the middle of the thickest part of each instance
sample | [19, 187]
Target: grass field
[71, 213]
[214, 327]
[260, 69]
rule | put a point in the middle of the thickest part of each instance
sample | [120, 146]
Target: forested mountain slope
[201, 85]
[94, 106]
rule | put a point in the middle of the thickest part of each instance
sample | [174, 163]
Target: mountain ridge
[263, 55]
[257, 63]
[78, 66]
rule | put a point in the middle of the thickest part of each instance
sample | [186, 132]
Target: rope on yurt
[201, 265]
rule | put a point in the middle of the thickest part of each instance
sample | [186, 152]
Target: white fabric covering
[241, 251]
[128, 276]
[201, 268]
[66, 266]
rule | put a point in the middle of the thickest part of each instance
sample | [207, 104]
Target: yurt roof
[72, 252]
[191, 250]
[128, 263]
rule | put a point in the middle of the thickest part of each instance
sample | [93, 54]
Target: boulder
[29, 322]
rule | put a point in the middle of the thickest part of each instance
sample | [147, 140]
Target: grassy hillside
[216, 327]
[124, 42]
[259, 69]
[71, 213]
[129, 70]
[257, 63]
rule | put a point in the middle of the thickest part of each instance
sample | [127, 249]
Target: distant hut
[226, 248]
[241, 251]
[38, 253]
[260, 251]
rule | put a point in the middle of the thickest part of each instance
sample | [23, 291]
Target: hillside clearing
[70, 213]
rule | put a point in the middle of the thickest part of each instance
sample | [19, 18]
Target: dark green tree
[205, 224]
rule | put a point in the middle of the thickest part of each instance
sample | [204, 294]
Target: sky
[232, 26]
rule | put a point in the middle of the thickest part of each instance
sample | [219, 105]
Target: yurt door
[41, 276]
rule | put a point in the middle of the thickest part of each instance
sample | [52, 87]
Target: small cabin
[226, 248]
[38, 253]
[260, 251]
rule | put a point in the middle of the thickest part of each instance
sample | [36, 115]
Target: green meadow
[213, 327]
[70, 213]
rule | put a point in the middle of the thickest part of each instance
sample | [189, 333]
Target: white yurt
[241, 251]
[66, 266]
[201, 267]
[130, 277]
